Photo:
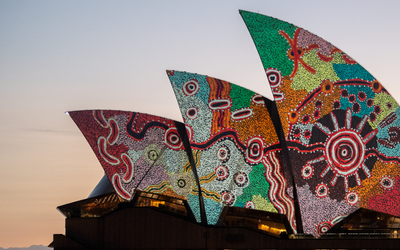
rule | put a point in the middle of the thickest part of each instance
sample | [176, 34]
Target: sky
[58, 56]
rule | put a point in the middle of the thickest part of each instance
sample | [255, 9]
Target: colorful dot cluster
[342, 127]
[342, 130]
[156, 166]
[233, 144]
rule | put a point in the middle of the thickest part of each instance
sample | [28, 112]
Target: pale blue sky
[69, 55]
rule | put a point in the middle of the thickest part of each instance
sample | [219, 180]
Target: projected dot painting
[341, 128]
[237, 152]
[341, 125]
[140, 152]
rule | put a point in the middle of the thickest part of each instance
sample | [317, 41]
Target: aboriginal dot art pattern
[342, 127]
[235, 146]
[140, 152]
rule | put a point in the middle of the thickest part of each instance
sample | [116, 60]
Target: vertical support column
[182, 133]
[273, 112]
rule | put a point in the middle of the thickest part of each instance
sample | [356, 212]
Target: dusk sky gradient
[58, 56]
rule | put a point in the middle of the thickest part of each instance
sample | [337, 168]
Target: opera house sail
[234, 139]
[341, 125]
[321, 161]
[141, 152]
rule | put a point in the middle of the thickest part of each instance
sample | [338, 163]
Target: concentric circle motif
[241, 179]
[307, 171]
[250, 205]
[151, 154]
[370, 102]
[344, 93]
[307, 134]
[293, 116]
[377, 109]
[191, 87]
[223, 153]
[356, 108]
[376, 86]
[306, 119]
[326, 86]
[296, 132]
[361, 96]
[323, 228]
[352, 198]
[344, 151]
[345, 147]
[318, 104]
[191, 113]
[172, 139]
[372, 116]
[221, 172]
[182, 183]
[255, 150]
[352, 98]
[322, 190]
[336, 104]
[387, 182]
[274, 77]
[227, 197]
